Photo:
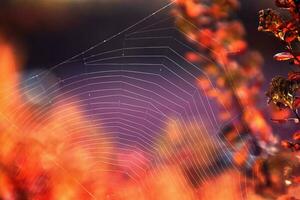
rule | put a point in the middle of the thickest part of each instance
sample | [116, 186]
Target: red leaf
[283, 56]
[280, 120]
[296, 180]
[297, 148]
[294, 76]
[295, 120]
[296, 103]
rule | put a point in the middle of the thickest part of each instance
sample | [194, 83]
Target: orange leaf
[296, 135]
[286, 144]
[192, 57]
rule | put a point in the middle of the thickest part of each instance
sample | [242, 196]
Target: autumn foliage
[233, 78]
[283, 91]
[49, 156]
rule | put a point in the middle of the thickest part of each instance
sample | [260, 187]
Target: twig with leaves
[283, 91]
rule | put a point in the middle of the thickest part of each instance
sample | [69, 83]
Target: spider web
[132, 85]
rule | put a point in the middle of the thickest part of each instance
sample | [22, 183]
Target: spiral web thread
[132, 85]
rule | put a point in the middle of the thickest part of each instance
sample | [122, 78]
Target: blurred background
[67, 27]
[49, 32]
[151, 126]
